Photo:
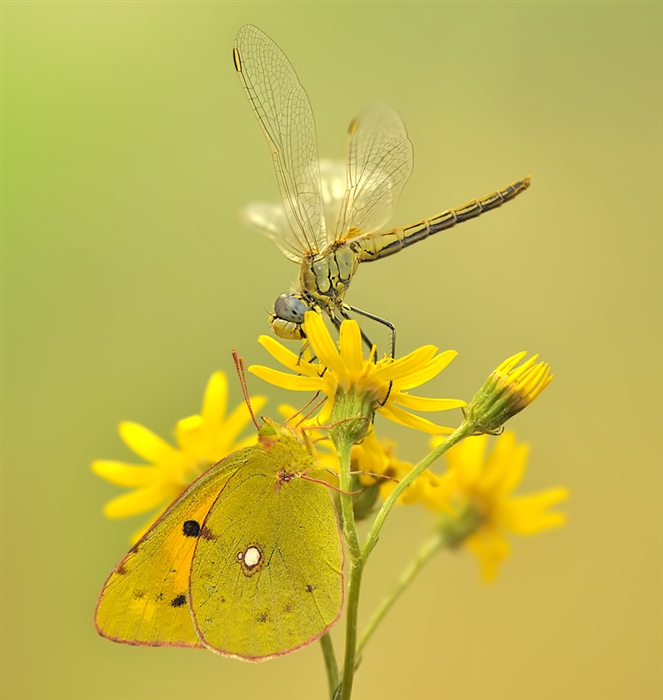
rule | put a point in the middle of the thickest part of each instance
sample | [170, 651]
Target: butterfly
[247, 562]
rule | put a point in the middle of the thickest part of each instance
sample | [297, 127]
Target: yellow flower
[202, 440]
[345, 372]
[476, 496]
[379, 457]
[507, 391]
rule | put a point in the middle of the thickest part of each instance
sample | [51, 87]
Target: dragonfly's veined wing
[271, 220]
[284, 112]
[379, 164]
[333, 181]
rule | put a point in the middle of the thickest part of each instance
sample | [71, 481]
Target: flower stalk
[351, 412]
[331, 667]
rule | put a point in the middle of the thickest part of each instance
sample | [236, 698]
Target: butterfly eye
[267, 431]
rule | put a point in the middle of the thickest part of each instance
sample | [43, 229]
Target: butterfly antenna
[241, 373]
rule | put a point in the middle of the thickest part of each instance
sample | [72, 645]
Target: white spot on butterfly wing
[251, 557]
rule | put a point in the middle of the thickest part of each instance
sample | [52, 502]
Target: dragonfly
[327, 226]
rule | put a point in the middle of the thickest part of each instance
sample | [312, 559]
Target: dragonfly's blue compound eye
[290, 308]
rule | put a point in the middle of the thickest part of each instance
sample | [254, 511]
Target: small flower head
[378, 457]
[476, 500]
[202, 440]
[345, 376]
[507, 391]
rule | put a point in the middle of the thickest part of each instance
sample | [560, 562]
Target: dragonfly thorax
[326, 276]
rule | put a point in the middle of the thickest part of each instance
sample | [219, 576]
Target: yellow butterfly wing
[268, 577]
[144, 600]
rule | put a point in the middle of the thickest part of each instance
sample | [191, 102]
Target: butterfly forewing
[268, 577]
[144, 600]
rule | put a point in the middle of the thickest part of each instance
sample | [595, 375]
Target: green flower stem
[344, 448]
[430, 547]
[331, 666]
[459, 434]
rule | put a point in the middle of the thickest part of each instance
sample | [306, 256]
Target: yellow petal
[465, 459]
[322, 344]
[325, 413]
[222, 442]
[139, 501]
[432, 369]
[240, 418]
[189, 434]
[510, 363]
[216, 399]
[147, 444]
[287, 381]
[398, 370]
[287, 411]
[129, 475]
[439, 496]
[398, 415]
[288, 358]
[491, 549]
[369, 456]
[420, 403]
[527, 515]
[350, 345]
[504, 466]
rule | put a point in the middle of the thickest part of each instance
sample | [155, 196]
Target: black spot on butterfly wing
[191, 528]
[179, 601]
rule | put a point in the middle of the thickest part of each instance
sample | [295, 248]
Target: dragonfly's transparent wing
[379, 164]
[284, 112]
[270, 220]
[333, 181]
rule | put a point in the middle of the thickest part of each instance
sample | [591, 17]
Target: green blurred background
[129, 148]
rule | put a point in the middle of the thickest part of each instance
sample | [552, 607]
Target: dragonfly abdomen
[379, 245]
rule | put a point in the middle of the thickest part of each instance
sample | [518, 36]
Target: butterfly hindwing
[268, 578]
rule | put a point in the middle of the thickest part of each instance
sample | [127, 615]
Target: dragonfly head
[288, 316]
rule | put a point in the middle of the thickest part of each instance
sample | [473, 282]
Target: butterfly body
[248, 562]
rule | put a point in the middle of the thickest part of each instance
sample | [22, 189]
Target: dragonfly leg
[305, 346]
[383, 321]
[386, 398]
